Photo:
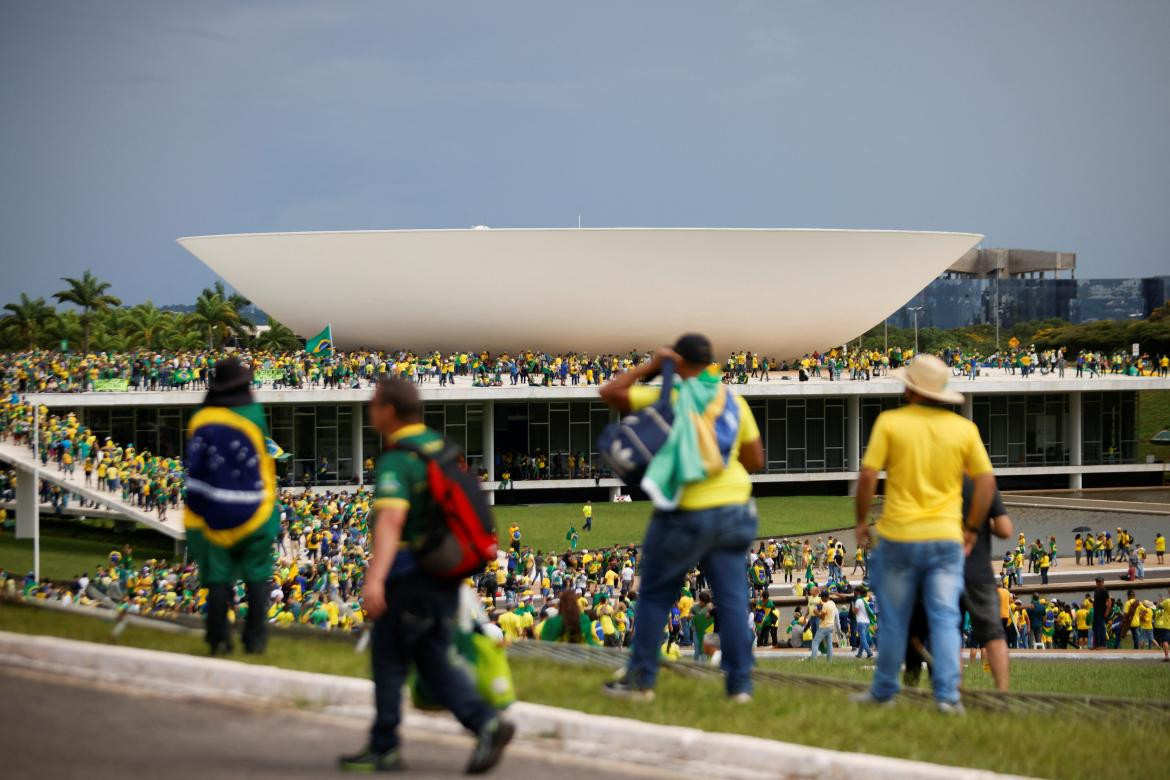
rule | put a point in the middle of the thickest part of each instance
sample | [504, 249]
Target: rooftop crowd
[51, 371]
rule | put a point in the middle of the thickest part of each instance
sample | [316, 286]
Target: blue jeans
[901, 573]
[823, 635]
[863, 640]
[718, 539]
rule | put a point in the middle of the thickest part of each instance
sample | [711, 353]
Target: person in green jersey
[413, 622]
[231, 516]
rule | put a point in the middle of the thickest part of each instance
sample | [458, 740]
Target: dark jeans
[1098, 631]
[255, 624]
[416, 629]
[718, 539]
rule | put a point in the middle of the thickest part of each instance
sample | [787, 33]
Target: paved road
[60, 729]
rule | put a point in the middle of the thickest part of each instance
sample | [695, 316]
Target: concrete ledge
[690, 751]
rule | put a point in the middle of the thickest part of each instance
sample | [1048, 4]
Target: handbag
[628, 445]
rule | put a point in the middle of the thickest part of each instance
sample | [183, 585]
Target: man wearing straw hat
[925, 448]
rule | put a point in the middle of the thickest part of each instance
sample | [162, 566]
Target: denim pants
[416, 630]
[863, 640]
[718, 539]
[901, 573]
[823, 635]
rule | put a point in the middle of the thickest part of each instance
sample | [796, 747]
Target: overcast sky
[127, 124]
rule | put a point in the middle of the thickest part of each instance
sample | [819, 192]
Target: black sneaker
[370, 760]
[222, 648]
[622, 688]
[489, 745]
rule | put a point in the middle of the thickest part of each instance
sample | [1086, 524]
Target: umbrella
[1080, 529]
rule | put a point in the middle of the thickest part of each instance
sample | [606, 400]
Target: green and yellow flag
[322, 343]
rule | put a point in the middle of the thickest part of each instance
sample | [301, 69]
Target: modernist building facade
[1040, 433]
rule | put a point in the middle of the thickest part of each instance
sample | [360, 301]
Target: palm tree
[145, 324]
[89, 294]
[180, 334]
[65, 326]
[278, 338]
[28, 318]
[216, 316]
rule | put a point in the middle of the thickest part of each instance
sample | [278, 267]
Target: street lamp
[914, 310]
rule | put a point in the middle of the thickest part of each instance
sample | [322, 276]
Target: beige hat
[927, 376]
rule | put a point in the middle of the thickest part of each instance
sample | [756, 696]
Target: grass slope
[544, 525]
[1153, 415]
[64, 557]
[819, 718]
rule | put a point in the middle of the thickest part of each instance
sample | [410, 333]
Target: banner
[268, 375]
[111, 385]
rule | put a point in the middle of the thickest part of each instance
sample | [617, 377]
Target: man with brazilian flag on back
[232, 518]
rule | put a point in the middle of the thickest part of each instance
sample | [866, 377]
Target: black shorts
[981, 601]
[1162, 635]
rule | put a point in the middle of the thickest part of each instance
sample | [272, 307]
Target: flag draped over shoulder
[706, 424]
[231, 478]
[322, 343]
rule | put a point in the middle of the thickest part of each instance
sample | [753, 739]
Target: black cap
[230, 384]
[695, 348]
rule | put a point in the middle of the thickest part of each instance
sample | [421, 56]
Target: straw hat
[927, 376]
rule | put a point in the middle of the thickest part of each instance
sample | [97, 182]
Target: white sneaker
[740, 698]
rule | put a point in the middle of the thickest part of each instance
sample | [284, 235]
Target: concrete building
[1040, 432]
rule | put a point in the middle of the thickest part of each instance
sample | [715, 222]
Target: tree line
[1152, 335]
[99, 322]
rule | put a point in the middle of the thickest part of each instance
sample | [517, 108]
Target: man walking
[587, 513]
[232, 517]
[826, 629]
[924, 448]
[412, 610]
[713, 525]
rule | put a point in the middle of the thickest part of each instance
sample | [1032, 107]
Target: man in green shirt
[413, 625]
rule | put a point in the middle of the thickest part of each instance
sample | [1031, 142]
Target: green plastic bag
[484, 660]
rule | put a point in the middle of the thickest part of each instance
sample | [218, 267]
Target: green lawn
[1153, 415]
[544, 525]
[70, 547]
[819, 718]
[1129, 679]
[64, 557]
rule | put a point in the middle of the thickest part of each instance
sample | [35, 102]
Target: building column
[356, 444]
[489, 445]
[1076, 447]
[853, 439]
[968, 408]
[28, 507]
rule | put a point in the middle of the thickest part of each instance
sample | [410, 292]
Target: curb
[687, 750]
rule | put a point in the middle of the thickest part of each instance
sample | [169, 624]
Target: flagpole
[36, 493]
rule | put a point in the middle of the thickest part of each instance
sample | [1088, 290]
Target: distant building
[1026, 284]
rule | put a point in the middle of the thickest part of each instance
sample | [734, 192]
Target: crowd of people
[52, 371]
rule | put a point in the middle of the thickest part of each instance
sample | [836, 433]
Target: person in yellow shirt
[1162, 627]
[925, 449]
[1160, 547]
[712, 521]
[587, 513]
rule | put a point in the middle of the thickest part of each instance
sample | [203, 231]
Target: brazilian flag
[322, 343]
[232, 517]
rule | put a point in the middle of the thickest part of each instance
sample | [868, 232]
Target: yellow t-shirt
[924, 451]
[1160, 544]
[730, 486]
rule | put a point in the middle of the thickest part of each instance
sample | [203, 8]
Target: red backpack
[460, 538]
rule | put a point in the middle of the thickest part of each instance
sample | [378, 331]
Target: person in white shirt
[861, 620]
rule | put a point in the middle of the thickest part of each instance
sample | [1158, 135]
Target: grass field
[69, 547]
[819, 718]
[65, 556]
[1134, 680]
[1153, 415]
[544, 525]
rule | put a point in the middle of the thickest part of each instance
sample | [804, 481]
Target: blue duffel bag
[628, 445]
